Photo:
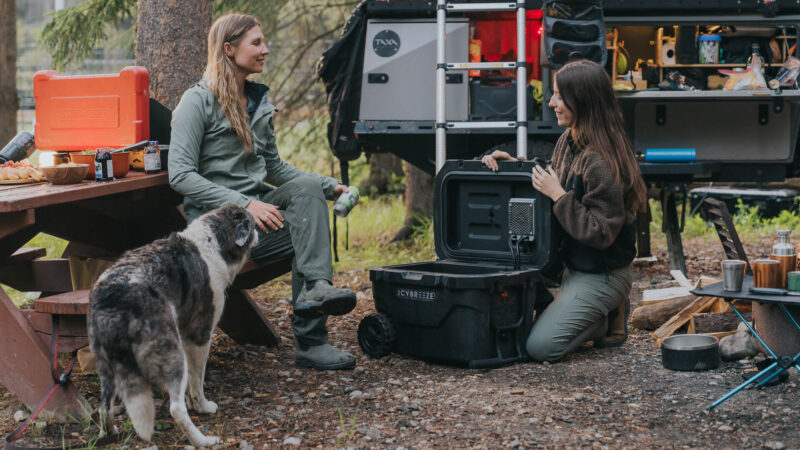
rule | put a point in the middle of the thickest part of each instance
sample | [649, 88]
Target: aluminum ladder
[442, 66]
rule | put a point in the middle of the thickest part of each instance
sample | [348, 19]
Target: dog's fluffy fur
[151, 316]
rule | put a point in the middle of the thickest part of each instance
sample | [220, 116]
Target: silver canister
[732, 275]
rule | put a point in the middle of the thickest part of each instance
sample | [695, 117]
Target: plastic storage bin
[470, 307]
[74, 113]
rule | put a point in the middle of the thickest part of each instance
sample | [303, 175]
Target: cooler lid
[471, 214]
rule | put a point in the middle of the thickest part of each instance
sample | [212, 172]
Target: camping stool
[780, 363]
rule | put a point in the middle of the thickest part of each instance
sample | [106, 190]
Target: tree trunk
[8, 71]
[383, 168]
[419, 200]
[171, 42]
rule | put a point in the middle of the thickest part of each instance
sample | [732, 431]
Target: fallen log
[650, 317]
[716, 322]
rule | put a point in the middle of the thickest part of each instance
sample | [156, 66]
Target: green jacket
[210, 167]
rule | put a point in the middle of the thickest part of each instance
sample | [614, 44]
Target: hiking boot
[323, 357]
[323, 299]
[617, 327]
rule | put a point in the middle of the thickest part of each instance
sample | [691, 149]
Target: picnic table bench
[99, 220]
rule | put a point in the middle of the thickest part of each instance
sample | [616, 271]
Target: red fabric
[498, 35]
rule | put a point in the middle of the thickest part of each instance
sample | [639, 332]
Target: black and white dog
[152, 313]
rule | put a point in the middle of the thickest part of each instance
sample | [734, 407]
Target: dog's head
[235, 231]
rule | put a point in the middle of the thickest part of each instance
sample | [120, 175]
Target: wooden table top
[21, 197]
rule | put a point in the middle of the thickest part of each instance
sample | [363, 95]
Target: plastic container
[74, 113]
[708, 52]
[470, 307]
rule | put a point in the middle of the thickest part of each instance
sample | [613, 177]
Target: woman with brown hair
[596, 189]
[223, 151]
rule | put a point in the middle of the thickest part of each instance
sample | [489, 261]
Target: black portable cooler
[470, 307]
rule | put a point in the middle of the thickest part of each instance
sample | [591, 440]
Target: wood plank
[25, 365]
[16, 221]
[244, 321]
[75, 302]
[26, 254]
[721, 334]
[683, 317]
[38, 195]
[256, 273]
[681, 278]
[650, 296]
[68, 326]
[43, 275]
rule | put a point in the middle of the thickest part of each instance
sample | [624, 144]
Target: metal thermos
[783, 252]
[18, 148]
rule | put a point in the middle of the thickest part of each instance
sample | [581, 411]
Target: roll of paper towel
[668, 53]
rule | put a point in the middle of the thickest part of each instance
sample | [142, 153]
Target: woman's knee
[544, 347]
[306, 185]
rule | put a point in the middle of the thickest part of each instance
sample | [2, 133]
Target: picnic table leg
[25, 366]
[244, 321]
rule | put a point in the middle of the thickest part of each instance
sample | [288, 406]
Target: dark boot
[324, 299]
[617, 327]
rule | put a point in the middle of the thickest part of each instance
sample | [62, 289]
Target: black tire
[376, 335]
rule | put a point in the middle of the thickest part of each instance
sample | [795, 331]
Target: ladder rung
[479, 125]
[482, 66]
[481, 6]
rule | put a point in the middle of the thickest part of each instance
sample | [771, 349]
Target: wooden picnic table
[99, 219]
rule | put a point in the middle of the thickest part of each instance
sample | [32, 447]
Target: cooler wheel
[376, 335]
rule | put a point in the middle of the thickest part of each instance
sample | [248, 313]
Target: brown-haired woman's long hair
[597, 123]
[220, 70]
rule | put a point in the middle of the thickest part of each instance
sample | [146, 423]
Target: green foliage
[55, 247]
[347, 433]
[372, 224]
[74, 32]
[747, 219]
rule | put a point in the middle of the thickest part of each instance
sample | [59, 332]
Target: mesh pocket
[561, 52]
[574, 10]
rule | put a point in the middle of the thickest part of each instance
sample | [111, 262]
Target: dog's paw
[206, 441]
[204, 406]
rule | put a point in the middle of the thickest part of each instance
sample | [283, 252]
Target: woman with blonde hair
[596, 189]
[222, 151]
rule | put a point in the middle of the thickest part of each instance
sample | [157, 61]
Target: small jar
[708, 52]
[152, 158]
[103, 166]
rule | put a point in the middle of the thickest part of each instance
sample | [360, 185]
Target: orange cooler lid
[76, 112]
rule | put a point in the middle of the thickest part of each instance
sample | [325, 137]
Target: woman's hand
[339, 190]
[546, 182]
[265, 214]
[490, 161]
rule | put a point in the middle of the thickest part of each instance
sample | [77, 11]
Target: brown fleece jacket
[592, 214]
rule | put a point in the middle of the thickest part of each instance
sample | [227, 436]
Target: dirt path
[601, 398]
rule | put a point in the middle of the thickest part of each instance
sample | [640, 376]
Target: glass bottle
[152, 158]
[103, 166]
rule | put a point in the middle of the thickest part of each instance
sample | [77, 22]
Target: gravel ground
[610, 398]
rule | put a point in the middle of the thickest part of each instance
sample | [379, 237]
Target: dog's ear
[243, 232]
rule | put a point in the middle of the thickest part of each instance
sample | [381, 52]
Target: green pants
[306, 235]
[579, 312]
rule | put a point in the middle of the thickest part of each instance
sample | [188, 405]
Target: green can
[346, 202]
[793, 281]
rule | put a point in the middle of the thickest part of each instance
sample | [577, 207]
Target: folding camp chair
[717, 213]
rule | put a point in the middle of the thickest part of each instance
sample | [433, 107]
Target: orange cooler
[77, 112]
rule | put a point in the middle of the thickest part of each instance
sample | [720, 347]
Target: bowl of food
[120, 160]
[69, 173]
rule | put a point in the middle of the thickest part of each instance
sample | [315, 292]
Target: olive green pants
[306, 235]
[579, 312]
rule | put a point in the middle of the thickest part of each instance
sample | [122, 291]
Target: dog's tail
[137, 396]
